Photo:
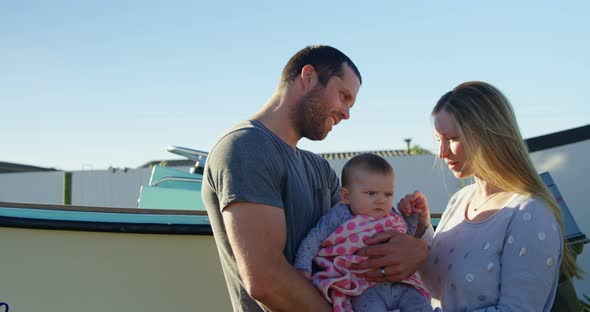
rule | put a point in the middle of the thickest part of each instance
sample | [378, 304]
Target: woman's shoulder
[456, 201]
[531, 209]
[466, 189]
[462, 193]
[533, 225]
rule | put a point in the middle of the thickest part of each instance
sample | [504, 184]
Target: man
[263, 194]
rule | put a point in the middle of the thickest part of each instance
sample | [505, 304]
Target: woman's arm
[530, 261]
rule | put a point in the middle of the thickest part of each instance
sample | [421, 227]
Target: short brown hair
[327, 62]
[365, 161]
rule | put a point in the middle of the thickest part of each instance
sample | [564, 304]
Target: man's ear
[308, 76]
[345, 195]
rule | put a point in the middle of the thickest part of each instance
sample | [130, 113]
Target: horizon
[535, 148]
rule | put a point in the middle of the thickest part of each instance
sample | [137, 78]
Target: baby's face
[370, 193]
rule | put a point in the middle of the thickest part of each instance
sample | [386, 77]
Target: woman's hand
[392, 257]
[416, 203]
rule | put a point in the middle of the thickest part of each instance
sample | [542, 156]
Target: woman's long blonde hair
[495, 150]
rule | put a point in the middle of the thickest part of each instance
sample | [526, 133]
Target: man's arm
[257, 234]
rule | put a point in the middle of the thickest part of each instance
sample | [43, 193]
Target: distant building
[6, 167]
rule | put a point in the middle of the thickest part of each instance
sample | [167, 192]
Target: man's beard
[310, 115]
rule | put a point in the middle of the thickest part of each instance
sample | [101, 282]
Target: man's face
[325, 106]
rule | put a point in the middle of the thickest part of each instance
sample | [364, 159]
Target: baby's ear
[345, 195]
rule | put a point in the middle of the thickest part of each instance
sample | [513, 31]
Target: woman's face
[451, 149]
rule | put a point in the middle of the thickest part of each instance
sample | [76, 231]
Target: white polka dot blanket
[336, 280]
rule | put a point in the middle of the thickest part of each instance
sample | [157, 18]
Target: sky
[87, 85]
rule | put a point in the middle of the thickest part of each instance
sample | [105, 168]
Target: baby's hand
[420, 203]
[405, 206]
[416, 203]
[413, 203]
[408, 204]
[306, 274]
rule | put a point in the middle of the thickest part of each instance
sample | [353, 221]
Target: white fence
[32, 187]
[108, 188]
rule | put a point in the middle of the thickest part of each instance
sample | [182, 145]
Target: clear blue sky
[93, 84]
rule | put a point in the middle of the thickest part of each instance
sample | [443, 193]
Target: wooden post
[67, 188]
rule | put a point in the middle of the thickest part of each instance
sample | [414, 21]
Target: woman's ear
[345, 195]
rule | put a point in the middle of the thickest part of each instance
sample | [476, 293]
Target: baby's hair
[366, 161]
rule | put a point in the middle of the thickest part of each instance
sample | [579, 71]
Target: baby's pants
[383, 297]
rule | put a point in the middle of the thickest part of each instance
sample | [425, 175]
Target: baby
[368, 184]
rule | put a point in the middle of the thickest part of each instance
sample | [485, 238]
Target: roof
[382, 153]
[6, 167]
[560, 138]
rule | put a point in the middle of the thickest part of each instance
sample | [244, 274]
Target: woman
[499, 245]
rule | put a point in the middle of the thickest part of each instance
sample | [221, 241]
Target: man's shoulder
[246, 130]
[245, 148]
[246, 134]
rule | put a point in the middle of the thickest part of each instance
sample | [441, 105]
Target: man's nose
[345, 112]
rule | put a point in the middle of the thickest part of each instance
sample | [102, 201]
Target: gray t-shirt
[508, 262]
[252, 164]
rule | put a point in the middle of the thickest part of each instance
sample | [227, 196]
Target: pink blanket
[337, 281]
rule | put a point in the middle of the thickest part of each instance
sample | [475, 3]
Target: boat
[91, 259]
[159, 256]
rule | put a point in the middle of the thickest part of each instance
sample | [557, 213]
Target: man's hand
[305, 273]
[392, 257]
